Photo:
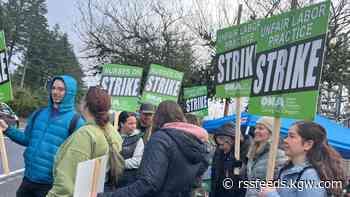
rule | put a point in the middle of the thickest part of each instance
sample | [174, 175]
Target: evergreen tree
[45, 52]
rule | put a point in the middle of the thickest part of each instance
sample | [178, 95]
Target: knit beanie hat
[267, 122]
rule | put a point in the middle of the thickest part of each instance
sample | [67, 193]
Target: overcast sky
[65, 13]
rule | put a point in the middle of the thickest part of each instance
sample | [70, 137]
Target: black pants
[31, 189]
[129, 177]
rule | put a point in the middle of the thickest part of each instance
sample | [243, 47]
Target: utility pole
[338, 101]
[23, 74]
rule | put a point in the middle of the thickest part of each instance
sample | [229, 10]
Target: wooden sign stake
[273, 150]
[5, 163]
[95, 177]
[238, 133]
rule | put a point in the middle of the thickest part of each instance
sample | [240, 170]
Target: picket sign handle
[273, 150]
[238, 110]
[116, 120]
[95, 177]
[237, 133]
[5, 163]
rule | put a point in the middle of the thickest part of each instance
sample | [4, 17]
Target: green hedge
[27, 101]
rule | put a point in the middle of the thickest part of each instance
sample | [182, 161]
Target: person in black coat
[223, 181]
[173, 158]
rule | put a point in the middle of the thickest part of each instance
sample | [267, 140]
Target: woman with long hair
[258, 153]
[91, 141]
[172, 159]
[313, 161]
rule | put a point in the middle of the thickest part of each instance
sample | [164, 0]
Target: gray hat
[228, 129]
[267, 122]
[147, 108]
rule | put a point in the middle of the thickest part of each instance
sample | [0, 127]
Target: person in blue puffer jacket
[47, 128]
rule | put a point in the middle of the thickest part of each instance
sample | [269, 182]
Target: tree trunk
[24, 74]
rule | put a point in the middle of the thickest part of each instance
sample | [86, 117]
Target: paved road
[14, 154]
[9, 184]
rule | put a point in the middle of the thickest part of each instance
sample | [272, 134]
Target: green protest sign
[162, 84]
[123, 83]
[235, 48]
[289, 59]
[5, 82]
[196, 100]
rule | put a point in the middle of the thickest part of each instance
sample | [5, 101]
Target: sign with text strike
[289, 61]
[123, 83]
[277, 61]
[162, 84]
[5, 82]
[236, 48]
[196, 100]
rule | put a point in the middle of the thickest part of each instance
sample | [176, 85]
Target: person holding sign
[173, 157]
[224, 182]
[312, 160]
[259, 152]
[95, 139]
[132, 148]
[47, 128]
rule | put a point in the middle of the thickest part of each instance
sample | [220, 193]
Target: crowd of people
[162, 152]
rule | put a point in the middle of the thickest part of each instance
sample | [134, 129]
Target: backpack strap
[116, 162]
[299, 174]
[302, 171]
[35, 115]
[73, 123]
[282, 169]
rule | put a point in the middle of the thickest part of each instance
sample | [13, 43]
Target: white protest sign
[90, 177]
